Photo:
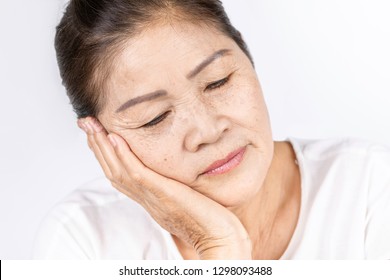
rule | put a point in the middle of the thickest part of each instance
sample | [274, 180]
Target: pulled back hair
[92, 31]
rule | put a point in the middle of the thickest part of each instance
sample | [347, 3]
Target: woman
[174, 113]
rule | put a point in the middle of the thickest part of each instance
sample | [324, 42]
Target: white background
[324, 67]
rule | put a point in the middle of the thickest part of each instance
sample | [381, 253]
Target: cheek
[248, 107]
[160, 154]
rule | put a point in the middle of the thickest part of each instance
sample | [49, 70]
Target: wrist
[239, 248]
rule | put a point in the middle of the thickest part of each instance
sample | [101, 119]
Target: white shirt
[345, 212]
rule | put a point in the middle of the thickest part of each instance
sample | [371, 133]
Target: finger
[85, 125]
[130, 162]
[147, 180]
[98, 154]
[91, 127]
[105, 151]
[106, 168]
[106, 155]
[132, 166]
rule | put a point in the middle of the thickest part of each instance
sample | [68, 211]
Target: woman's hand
[212, 230]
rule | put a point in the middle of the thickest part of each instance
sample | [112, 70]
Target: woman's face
[185, 97]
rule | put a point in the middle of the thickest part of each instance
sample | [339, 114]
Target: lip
[228, 163]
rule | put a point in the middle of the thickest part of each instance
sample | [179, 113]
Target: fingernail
[112, 140]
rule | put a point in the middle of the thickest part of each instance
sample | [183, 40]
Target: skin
[214, 105]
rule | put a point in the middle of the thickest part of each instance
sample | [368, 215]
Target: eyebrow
[159, 93]
[140, 99]
[206, 62]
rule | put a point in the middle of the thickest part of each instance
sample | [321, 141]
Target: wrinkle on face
[160, 59]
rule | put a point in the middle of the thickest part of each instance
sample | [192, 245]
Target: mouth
[225, 165]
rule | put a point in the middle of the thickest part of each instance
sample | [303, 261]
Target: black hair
[91, 31]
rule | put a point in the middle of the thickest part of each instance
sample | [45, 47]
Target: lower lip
[231, 164]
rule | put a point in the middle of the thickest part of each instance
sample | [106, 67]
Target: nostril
[206, 127]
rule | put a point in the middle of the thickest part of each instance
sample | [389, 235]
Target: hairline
[108, 57]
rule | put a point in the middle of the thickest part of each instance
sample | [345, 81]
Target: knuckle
[116, 177]
[119, 152]
[116, 186]
[121, 180]
[110, 177]
[138, 178]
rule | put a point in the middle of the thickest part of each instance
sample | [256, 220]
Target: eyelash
[157, 120]
[218, 84]
[212, 86]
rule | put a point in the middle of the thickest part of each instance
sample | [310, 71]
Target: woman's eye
[156, 120]
[217, 84]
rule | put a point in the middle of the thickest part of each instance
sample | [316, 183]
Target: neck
[271, 216]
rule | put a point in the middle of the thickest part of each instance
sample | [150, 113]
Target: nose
[205, 126]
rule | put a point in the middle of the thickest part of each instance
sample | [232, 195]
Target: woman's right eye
[156, 120]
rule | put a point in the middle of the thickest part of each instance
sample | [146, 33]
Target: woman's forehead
[176, 48]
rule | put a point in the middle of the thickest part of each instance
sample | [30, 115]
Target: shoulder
[97, 222]
[322, 149]
[346, 158]
[365, 163]
[348, 181]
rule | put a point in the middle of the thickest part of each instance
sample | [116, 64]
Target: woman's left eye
[218, 84]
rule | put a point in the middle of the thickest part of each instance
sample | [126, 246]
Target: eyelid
[218, 84]
[156, 120]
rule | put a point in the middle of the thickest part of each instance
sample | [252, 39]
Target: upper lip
[220, 162]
